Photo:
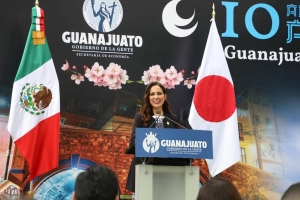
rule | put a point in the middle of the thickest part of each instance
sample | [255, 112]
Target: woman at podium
[154, 112]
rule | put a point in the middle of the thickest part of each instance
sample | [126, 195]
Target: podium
[166, 182]
[165, 177]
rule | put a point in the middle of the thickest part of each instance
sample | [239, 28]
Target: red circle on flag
[214, 98]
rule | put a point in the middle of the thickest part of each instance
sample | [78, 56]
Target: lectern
[163, 175]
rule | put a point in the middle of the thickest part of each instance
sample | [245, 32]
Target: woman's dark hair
[218, 188]
[146, 108]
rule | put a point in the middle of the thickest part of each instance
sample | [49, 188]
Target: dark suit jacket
[130, 185]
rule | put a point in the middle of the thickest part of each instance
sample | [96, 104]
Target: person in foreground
[97, 182]
[154, 105]
[218, 189]
[292, 193]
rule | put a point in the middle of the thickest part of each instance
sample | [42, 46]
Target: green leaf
[26, 109]
[43, 112]
[33, 108]
[37, 113]
[31, 112]
[141, 82]
[23, 88]
[129, 81]
[29, 98]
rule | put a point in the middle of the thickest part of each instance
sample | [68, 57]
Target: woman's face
[157, 97]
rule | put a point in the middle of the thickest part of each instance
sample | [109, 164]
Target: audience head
[218, 189]
[292, 193]
[97, 182]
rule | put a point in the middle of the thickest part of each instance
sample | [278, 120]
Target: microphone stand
[190, 160]
[176, 122]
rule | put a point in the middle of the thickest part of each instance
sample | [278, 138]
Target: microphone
[156, 120]
[175, 122]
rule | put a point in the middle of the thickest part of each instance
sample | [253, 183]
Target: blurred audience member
[97, 182]
[292, 193]
[218, 188]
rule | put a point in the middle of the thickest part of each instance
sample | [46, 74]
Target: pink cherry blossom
[171, 73]
[178, 79]
[169, 84]
[110, 79]
[65, 67]
[146, 78]
[173, 78]
[123, 76]
[112, 74]
[156, 73]
[113, 69]
[189, 83]
[97, 69]
[115, 86]
[90, 75]
[100, 81]
[162, 80]
[78, 78]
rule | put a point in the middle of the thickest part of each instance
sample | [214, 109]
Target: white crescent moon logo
[171, 20]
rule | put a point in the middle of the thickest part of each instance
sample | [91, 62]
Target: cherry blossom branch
[169, 78]
[113, 76]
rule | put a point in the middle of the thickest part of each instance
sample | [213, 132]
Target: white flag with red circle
[214, 107]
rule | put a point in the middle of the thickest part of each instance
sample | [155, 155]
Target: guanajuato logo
[103, 16]
[151, 143]
[35, 98]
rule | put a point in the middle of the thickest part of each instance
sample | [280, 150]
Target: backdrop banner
[107, 51]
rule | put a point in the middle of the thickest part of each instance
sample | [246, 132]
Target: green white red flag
[34, 119]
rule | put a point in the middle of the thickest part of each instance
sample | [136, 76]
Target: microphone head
[158, 112]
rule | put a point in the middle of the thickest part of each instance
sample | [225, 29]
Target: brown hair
[146, 108]
[218, 188]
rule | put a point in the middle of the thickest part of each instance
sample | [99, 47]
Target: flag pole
[30, 193]
[8, 152]
[213, 12]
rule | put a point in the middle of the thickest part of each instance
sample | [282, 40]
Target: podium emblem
[151, 143]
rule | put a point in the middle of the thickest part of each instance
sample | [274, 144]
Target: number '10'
[248, 20]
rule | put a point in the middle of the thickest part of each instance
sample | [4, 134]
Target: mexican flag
[34, 119]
